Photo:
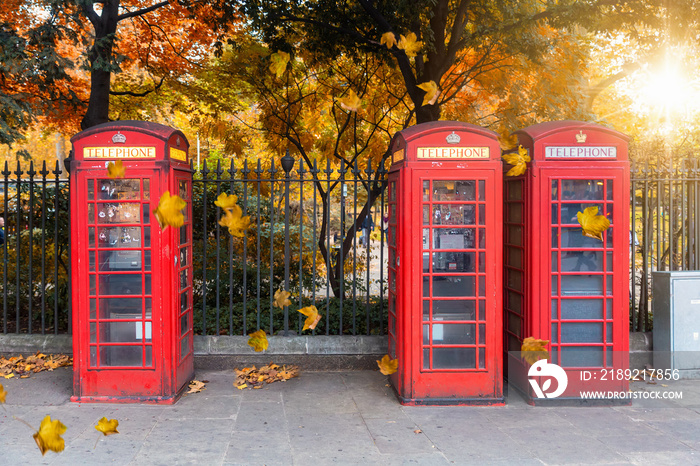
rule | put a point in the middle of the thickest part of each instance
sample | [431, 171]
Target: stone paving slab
[344, 418]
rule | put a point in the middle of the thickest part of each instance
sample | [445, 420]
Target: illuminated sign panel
[453, 152]
[119, 152]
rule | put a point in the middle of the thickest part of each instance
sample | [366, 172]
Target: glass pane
[426, 286]
[555, 305]
[515, 212]
[93, 286]
[581, 285]
[453, 286]
[482, 334]
[426, 309]
[582, 189]
[453, 334]
[555, 190]
[183, 279]
[454, 358]
[91, 260]
[581, 309]
[581, 332]
[148, 360]
[93, 332]
[515, 257]
[146, 214]
[426, 334]
[514, 279]
[91, 190]
[453, 214]
[482, 358]
[482, 190]
[184, 347]
[120, 284]
[482, 285]
[146, 189]
[609, 261]
[426, 215]
[426, 191]
[609, 332]
[581, 356]
[555, 334]
[482, 262]
[93, 356]
[482, 238]
[515, 235]
[459, 262]
[482, 309]
[119, 260]
[123, 332]
[555, 214]
[515, 190]
[147, 284]
[573, 238]
[514, 301]
[147, 260]
[555, 286]
[183, 190]
[426, 358]
[183, 257]
[119, 237]
[91, 237]
[118, 213]
[131, 356]
[482, 214]
[147, 237]
[555, 237]
[576, 261]
[183, 301]
[120, 308]
[454, 309]
[609, 309]
[93, 308]
[453, 238]
[147, 307]
[609, 285]
[183, 234]
[514, 323]
[555, 262]
[454, 190]
[91, 213]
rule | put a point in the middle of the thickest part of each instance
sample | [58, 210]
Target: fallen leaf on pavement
[195, 387]
[252, 377]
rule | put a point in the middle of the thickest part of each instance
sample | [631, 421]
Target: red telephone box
[132, 281]
[559, 285]
[445, 250]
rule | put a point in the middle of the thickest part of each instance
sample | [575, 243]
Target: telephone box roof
[549, 128]
[153, 129]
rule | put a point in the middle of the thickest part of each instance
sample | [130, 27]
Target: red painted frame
[416, 381]
[537, 270]
[164, 163]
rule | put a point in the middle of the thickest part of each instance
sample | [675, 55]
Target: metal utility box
[132, 288]
[445, 249]
[676, 334]
[560, 285]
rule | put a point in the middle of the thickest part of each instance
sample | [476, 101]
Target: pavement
[345, 418]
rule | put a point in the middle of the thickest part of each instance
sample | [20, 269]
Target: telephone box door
[115, 240]
[459, 327]
[584, 330]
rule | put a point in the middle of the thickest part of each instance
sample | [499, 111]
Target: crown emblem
[118, 138]
[581, 137]
[453, 138]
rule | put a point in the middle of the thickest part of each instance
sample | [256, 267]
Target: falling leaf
[388, 366]
[409, 44]
[49, 435]
[116, 169]
[234, 220]
[350, 102]
[282, 298]
[107, 426]
[593, 225]
[258, 340]
[533, 350]
[195, 387]
[518, 160]
[226, 201]
[169, 211]
[388, 39]
[417, 431]
[3, 394]
[431, 92]
[312, 317]
[278, 63]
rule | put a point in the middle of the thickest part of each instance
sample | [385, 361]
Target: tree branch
[142, 11]
[139, 94]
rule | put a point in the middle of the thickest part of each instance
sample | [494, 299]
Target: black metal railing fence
[297, 216]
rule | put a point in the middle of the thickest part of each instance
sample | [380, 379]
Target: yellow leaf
[169, 211]
[258, 340]
[312, 317]
[518, 160]
[3, 394]
[241, 386]
[388, 39]
[49, 435]
[195, 387]
[532, 350]
[593, 225]
[409, 44]
[431, 92]
[107, 426]
[278, 63]
[351, 102]
[8, 376]
[282, 298]
[234, 220]
[226, 201]
[388, 366]
[116, 169]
